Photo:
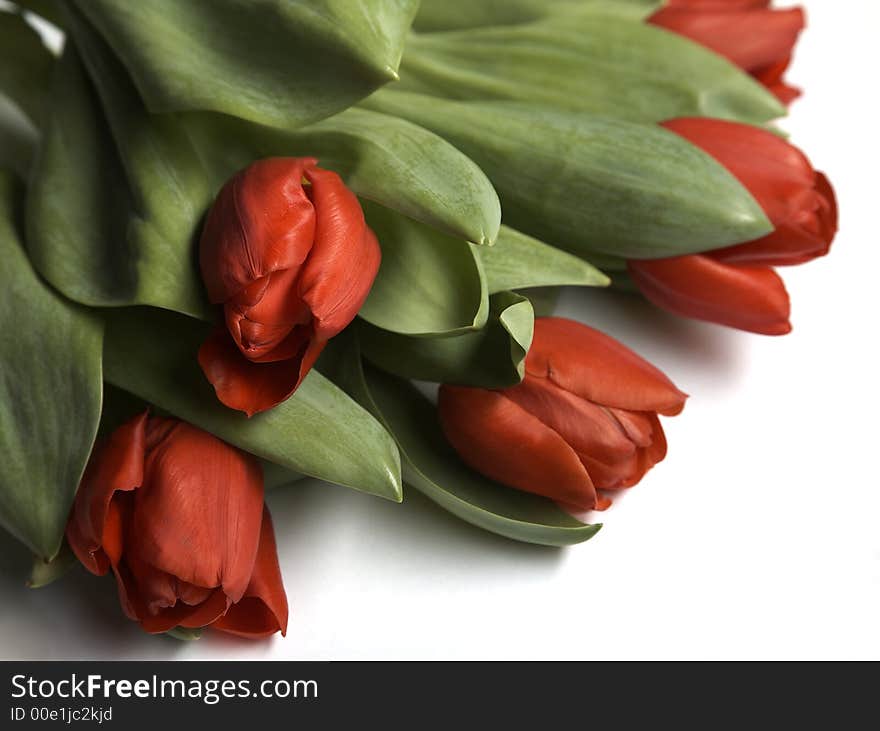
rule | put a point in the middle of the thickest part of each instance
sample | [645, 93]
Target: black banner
[133, 695]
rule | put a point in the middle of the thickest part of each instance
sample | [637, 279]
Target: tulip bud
[758, 39]
[737, 285]
[178, 516]
[287, 252]
[583, 419]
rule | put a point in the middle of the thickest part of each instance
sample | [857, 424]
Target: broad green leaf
[171, 190]
[46, 9]
[275, 475]
[518, 261]
[429, 284]
[493, 357]
[585, 183]
[319, 431]
[50, 393]
[607, 262]
[78, 202]
[45, 572]
[18, 139]
[383, 159]
[277, 62]
[25, 66]
[588, 62]
[432, 467]
[109, 230]
[445, 15]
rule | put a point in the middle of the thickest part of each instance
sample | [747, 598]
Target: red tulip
[287, 252]
[583, 419]
[737, 285]
[749, 33]
[178, 516]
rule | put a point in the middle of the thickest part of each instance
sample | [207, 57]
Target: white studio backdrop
[756, 538]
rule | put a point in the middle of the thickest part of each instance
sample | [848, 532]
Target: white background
[756, 538]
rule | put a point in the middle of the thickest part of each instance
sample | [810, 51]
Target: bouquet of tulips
[244, 243]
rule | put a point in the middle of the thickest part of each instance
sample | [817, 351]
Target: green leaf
[445, 15]
[587, 183]
[46, 9]
[277, 63]
[493, 357]
[18, 139]
[25, 66]
[50, 393]
[432, 467]
[319, 431]
[385, 159]
[517, 261]
[45, 572]
[589, 62]
[171, 190]
[105, 230]
[275, 476]
[429, 284]
[185, 634]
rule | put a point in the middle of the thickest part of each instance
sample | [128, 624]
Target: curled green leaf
[518, 261]
[430, 284]
[492, 357]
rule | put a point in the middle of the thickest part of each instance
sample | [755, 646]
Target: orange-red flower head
[737, 285]
[287, 252]
[583, 419]
[758, 39]
[178, 516]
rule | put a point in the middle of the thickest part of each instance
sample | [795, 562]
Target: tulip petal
[501, 440]
[253, 387]
[772, 77]
[645, 429]
[799, 201]
[198, 515]
[339, 272]
[745, 297]
[261, 222]
[117, 464]
[156, 588]
[263, 609]
[184, 615]
[803, 232]
[598, 368]
[266, 320]
[587, 428]
[649, 447]
[749, 34]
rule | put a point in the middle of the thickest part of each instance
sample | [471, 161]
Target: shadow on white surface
[673, 343]
[78, 617]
